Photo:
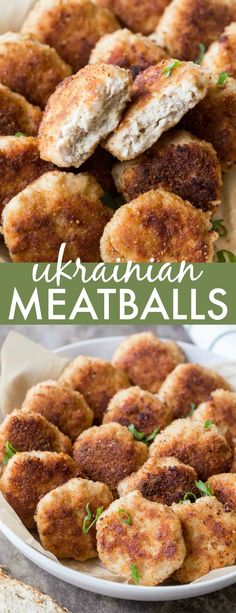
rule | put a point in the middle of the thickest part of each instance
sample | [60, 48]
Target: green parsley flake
[193, 407]
[20, 134]
[87, 526]
[141, 436]
[203, 488]
[226, 256]
[201, 54]
[10, 452]
[188, 496]
[218, 226]
[169, 69]
[223, 76]
[208, 423]
[135, 574]
[125, 517]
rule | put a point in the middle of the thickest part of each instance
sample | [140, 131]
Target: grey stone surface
[76, 600]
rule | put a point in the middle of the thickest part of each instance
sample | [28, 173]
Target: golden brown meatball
[138, 407]
[58, 207]
[64, 517]
[188, 385]
[27, 431]
[108, 453]
[20, 165]
[186, 24]
[179, 163]
[210, 537]
[164, 480]
[144, 552]
[127, 50]
[72, 27]
[159, 227]
[205, 449]
[60, 405]
[17, 115]
[224, 488]
[220, 408]
[30, 68]
[28, 476]
[97, 380]
[221, 55]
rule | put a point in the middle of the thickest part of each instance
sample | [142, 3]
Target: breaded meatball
[221, 55]
[224, 488]
[62, 406]
[164, 480]
[210, 537]
[97, 380]
[147, 360]
[161, 95]
[83, 110]
[61, 518]
[108, 453]
[178, 162]
[72, 27]
[127, 50]
[100, 164]
[17, 115]
[205, 449]
[186, 24]
[188, 385]
[160, 227]
[27, 431]
[28, 476]
[138, 407]
[214, 119]
[56, 208]
[139, 540]
[220, 408]
[20, 165]
[30, 68]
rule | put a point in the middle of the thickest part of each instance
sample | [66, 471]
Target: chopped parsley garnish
[20, 134]
[135, 574]
[169, 69]
[193, 407]
[151, 437]
[125, 517]
[223, 76]
[208, 423]
[201, 54]
[141, 436]
[203, 488]
[188, 496]
[10, 452]
[114, 202]
[218, 226]
[226, 256]
[89, 517]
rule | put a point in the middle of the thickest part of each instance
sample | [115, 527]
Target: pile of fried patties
[151, 487]
[90, 92]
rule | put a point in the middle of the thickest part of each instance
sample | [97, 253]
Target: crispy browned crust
[224, 488]
[138, 407]
[100, 164]
[221, 55]
[60, 516]
[17, 115]
[28, 431]
[62, 406]
[30, 68]
[178, 163]
[138, 17]
[97, 380]
[72, 27]
[20, 164]
[29, 476]
[108, 453]
[221, 409]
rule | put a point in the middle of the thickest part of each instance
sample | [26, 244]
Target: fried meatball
[221, 55]
[28, 476]
[220, 408]
[224, 488]
[161, 95]
[188, 385]
[186, 24]
[145, 552]
[147, 360]
[62, 406]
[83, 110]
[61, 518]
[160, 227]
[97, 380]
[56, 208]
[178, 162]
[20, 165]
[205, 449]
[210, 537]
[164, 480]
[100, 164]
[127, 50]
[28, 431]
[72, 27]
[138, 407]
[215, 120]
[30, 68]
[17, 115]
[108, 453]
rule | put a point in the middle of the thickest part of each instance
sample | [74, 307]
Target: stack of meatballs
[117, 120]
[133, 461]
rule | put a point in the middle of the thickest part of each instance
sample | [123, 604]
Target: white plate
[104, 348]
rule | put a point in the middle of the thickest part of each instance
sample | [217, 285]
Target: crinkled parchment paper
[24, 363]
